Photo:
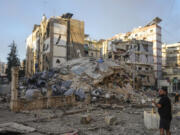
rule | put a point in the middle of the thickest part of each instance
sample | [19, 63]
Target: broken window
[91, 54]
[47, 46]
[58, 61]
[145, 48]
[138, 47]
[47, 30]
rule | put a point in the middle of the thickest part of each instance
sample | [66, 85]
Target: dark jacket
[165, 110]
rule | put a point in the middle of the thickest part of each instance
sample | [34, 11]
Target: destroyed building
[84, 80]
[138, 54]
[93, 48]
[171, 65]
[54, 41]
[150, 32]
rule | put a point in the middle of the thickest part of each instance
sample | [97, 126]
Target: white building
[151, 32]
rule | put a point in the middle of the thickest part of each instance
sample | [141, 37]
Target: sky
[103, 18]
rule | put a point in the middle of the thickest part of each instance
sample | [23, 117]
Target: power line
[170, 34]
[170, 12]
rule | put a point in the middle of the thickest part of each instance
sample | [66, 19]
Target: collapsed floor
[101, 79]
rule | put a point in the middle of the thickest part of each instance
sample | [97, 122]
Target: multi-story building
[171, 70]
[163, 56]
[138, 54]
[152, 33]
[54, 41]
[93, 48]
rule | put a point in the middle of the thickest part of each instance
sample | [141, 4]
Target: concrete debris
[80, 95]
[110, 120]
[86, 119]
[102, 79]
[15, 127]
[32, 94]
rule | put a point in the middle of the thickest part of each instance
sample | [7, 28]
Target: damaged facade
[171, 65]
[138, 54]
[53, 42]
[152, 33]
[93, 48]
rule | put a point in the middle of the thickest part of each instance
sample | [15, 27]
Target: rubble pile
[102, 79]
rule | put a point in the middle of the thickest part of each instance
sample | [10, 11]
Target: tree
[12, 59]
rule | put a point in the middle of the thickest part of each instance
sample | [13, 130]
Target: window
[147, 68]
[91, 54]
[45, 47]
[139, 68]
[47, 30]
[146, 48]
[46, 58]
[138, 47]
[58, 61]
[151, 31]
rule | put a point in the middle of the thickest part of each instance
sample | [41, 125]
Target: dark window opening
[47, 30]
[91, 54]
[58, 61]
[138, 47]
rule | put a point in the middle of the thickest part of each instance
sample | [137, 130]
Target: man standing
[164, 109]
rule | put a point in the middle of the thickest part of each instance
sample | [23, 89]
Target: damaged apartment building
[93, 48]
[138, 54]
[150, 32]
[53, 42]
[171, 65]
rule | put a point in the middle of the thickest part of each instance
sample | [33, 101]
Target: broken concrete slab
[15, 127]
[110, 120]
[85, 119]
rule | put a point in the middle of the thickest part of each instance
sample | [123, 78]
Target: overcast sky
[103, 18]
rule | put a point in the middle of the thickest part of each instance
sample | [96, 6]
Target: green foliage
[12, 59]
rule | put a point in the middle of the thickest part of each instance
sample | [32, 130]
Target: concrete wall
[44, 102]
[49, 39]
